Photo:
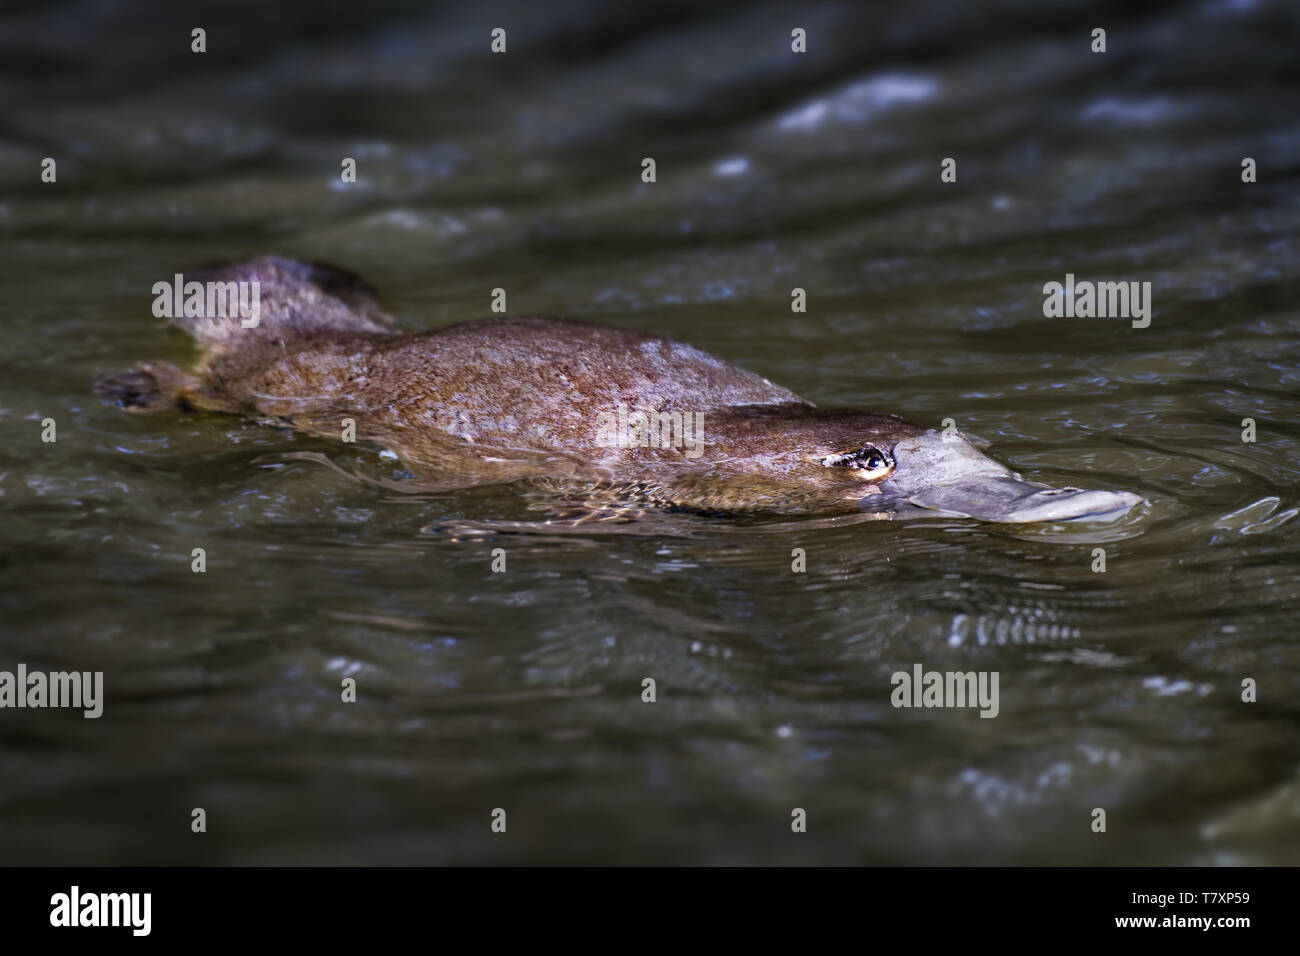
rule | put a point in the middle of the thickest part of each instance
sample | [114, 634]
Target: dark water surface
[1119, 690]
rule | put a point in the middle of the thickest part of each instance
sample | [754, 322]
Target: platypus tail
[253, 306]
[279, 299]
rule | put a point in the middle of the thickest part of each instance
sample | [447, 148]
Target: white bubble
[732, 166]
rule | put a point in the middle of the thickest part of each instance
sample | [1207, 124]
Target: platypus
[589, 406]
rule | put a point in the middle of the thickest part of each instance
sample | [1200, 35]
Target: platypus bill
[515, 399]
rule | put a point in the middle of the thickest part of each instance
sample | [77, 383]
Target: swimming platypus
[515, 399]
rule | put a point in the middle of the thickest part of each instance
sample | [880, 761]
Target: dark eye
[867, 458]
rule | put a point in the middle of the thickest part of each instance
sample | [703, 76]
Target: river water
[1120, 690]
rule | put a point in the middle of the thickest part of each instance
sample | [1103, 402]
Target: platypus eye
[869, 458]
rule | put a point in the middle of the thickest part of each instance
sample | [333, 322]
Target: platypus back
[322, 346]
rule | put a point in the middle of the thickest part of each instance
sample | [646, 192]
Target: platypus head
[883, 462]
[949, 474]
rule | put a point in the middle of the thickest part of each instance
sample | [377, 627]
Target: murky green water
[522, 691]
